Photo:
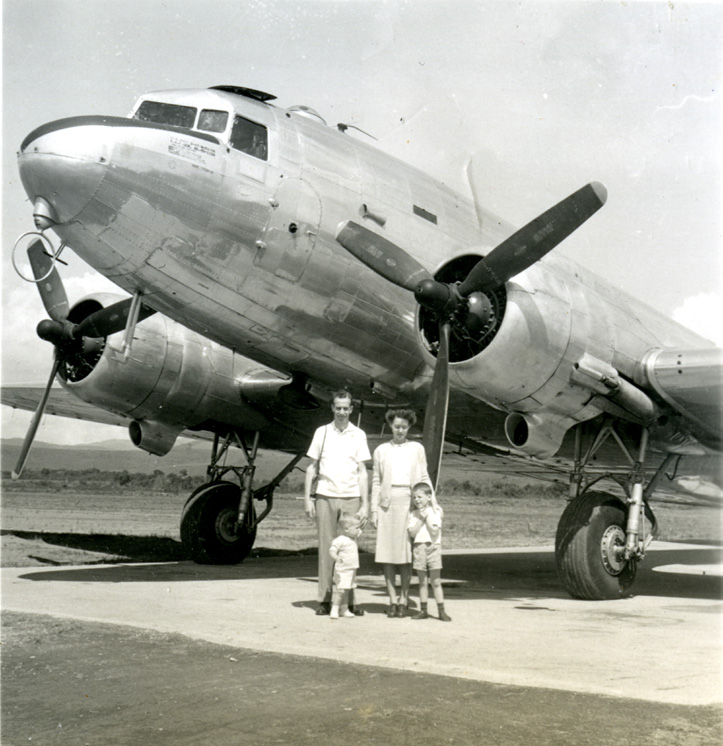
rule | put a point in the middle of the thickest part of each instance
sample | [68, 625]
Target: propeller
[466, 306]
[435, 418]
[34, 423]
[72, 342]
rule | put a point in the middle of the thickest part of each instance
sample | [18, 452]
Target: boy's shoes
[392, 611]
[356, 611]
[444, 616]
[421, 614]
[324, 609]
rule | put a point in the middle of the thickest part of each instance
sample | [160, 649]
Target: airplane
[272, 259]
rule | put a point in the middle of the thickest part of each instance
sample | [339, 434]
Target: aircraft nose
[62, 164]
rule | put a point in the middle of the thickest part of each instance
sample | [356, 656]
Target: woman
[398, 465]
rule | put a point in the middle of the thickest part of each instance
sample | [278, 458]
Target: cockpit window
[178, 116]
[211, 120]
[250, 138]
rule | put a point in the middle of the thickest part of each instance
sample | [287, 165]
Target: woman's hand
[310, 508]
[373, 519]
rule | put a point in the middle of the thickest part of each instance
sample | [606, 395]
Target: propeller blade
[533, 241]
[109, 320]
[51, 288]
[385, 258]
[435, 418]
[34, 423]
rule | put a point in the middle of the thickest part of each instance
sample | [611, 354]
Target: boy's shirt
[434, 519]
[345, 552]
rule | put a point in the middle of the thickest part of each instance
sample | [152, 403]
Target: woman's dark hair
[403, 414]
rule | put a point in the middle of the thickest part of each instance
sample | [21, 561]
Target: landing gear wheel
[588, 548]
[208, 525]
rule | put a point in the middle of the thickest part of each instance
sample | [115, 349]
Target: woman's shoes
[392, 611]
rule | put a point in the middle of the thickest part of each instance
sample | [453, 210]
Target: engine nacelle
[561, 349]
[171, 379]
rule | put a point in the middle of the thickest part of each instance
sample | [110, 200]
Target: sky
[537, 97]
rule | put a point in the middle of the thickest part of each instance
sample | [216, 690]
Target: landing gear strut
[219, 521]
[601, 538]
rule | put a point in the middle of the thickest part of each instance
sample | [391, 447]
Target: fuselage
[223, 211]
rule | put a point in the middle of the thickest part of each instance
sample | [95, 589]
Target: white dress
[393, 543]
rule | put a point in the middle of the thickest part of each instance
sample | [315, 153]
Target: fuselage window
[250, 138]
[211, 120]
[178, 116]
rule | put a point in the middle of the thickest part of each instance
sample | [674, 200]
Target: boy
[425, 528]
[345, 555]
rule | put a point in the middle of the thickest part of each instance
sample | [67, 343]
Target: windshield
[211, 120]
[155, 111]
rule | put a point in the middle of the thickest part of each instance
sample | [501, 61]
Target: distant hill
[109, 455]
[193, 456]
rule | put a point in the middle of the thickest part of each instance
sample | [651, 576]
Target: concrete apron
[512, 623]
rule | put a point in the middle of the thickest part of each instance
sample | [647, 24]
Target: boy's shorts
[427, 556]
[344, 580]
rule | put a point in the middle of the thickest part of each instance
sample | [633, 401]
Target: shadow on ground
[122, 548]
[691, 571]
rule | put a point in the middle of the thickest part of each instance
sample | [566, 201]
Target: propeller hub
[433, 295]
[52, 331]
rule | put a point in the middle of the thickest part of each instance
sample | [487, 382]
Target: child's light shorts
[344, 580]
[427, 556]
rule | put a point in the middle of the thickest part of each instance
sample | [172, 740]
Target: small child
[425, 528]
[345, 553]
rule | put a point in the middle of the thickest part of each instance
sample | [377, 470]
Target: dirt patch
[75, 682]
[59, 528]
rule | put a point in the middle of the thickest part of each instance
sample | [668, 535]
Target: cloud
[703, 313]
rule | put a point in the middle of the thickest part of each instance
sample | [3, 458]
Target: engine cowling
[557, 349]
[171, 379]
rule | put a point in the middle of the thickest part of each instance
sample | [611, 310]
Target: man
[337, 452]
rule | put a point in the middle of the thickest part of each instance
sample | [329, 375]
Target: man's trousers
[328, 512]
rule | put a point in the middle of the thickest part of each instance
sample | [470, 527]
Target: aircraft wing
[63, 404]
[698, 482]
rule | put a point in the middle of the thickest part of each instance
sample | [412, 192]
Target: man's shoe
[444, 617]
[356, 610]
[392, 611]
[324, 609]
[401, 611]
[421, 615]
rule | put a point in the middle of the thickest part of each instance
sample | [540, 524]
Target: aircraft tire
[207, 525]
[589, 528]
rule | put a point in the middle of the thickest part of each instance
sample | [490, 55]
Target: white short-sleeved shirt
[435, 520]
[341, 453]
